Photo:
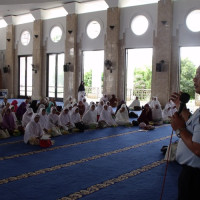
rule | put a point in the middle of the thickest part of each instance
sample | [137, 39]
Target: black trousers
[189, 183]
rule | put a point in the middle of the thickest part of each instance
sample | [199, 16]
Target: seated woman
[50, 105]
[3, 132]
[81, 108]
[15, 104]
[90, 117]
[168, 111]
[43, 120]
[27, 117]
[21, 110]
[12, 108]
[145, 118]
[113, 101]
[157, 115]
[135, 105]
[122, 117]
[99, 108]
[34, 105]
[106, 118]
[53, 123]
[76, 119]
[65, 120]
[9, 122]
[33, 131]
[110, 109]
[87, 107]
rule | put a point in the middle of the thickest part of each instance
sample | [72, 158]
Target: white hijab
[32, 129]
[27, 117]
[63, 117]
[43, 119]
[90, 117]
[75, 117]
[53, 119]
[107, 117]
[157, 113]
[99, 108]
[122, 117]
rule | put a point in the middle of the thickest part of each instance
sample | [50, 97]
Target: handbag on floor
[172, 152]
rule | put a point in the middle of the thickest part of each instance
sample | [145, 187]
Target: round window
[139, 25]
[193, 21]
[56, 34]
[25, 38]
[93, 29]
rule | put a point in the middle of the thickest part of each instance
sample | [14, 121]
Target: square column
[37, 59]
[10, 60]
[70, 83]
[110, 84]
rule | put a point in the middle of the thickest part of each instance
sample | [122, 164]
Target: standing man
[188, 150]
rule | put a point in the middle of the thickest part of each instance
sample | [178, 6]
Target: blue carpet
[114, 163]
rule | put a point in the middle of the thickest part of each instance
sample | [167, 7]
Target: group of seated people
[44, 118]
[152, 113]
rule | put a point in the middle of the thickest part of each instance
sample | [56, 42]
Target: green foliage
[88, 79]
[188, 71]
[102, 77]
[142, 78]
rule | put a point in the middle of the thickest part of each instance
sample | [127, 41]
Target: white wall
[3, 38]
[53, 47]
[181, 9]
[126, 16]
[83, 20]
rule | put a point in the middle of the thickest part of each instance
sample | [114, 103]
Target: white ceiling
[19, 7]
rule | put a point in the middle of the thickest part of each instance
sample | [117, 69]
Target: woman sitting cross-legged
[122, 117]
[76, 119]
[157, 115]
[106, 118]
[54, 123]
[90, 117]
[65, 120]
[33, 131]
[145, 118]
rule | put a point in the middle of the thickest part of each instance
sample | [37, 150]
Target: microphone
[184, 98]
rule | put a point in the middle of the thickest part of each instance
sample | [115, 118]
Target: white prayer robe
[107, 117]
[75, 117]
[43, 120]
[157, 114]
[99, 108]
[90, 117]
[53, 119]
[135, 102]
[32, 130]
[169, 110]
[64, 119]
[122, 118]
[27, 117]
